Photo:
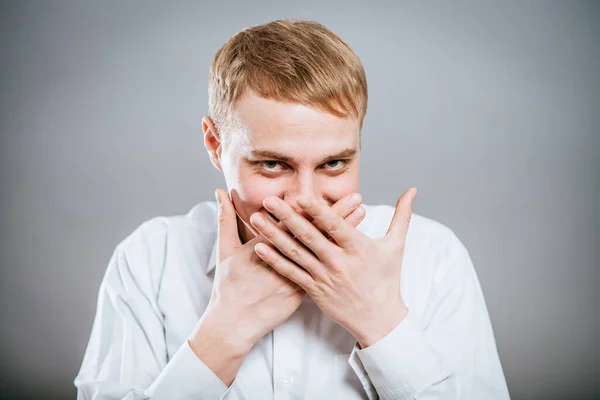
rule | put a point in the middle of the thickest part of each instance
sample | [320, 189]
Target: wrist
[219, 345]
[220, 326]
[379, 325]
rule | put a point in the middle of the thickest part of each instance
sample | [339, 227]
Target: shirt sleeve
[447, 353]
[126, 356]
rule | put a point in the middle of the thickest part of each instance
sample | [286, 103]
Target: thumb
[228, 238]
[399, 225]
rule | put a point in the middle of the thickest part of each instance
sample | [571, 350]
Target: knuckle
[332, 227]
[307, 237]
[293, 253]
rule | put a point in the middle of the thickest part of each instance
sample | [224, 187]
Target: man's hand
[354, 279]
[249, 298]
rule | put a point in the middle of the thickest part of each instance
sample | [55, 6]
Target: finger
[347, 204]
[354, 219]
[348, 208]
[326, 219]
[284, 266]
[291, 248]
[228, 238]
[299, 226]
[344, 207]
[401, 219]
[357, 216]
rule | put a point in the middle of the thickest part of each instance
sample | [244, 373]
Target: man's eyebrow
[342, 155]
[274, 155]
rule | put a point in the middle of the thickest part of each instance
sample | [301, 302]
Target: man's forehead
[294, 133]
[255, 110]
[268, 119]
[294, 144]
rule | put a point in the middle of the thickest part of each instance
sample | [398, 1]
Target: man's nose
[292, 201]
[305, 189]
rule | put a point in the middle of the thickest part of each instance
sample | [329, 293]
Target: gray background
[490, 109]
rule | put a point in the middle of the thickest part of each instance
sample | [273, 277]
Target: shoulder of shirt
[200, 219]
[142, 254]
[426, 237]
[421, 228]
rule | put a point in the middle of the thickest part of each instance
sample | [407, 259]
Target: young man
[290, 288]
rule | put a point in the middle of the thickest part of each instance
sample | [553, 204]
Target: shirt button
[288, 380]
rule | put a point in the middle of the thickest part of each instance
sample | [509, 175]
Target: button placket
[287, 340]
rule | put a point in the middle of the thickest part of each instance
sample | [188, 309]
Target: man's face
[287, 150]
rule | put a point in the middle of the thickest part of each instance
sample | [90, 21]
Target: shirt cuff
[401, 364]
[187, 377]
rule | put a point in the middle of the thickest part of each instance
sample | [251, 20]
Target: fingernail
[258, 220]
[361, 212]
[217, 197]
[355, 199]
[260, 249]
[271, 204]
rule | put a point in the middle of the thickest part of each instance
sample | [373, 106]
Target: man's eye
[334, 164]
[271, 165]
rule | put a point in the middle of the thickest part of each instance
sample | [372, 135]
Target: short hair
[289, 61]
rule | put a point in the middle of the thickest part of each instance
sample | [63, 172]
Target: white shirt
[158, 284]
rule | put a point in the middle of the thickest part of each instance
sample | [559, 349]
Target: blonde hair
[289, 61]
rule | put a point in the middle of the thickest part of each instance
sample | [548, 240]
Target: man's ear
[212, 142]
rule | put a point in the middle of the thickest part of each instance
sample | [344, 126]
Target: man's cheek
[337, 189]
[252, 192]
[258, 187]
